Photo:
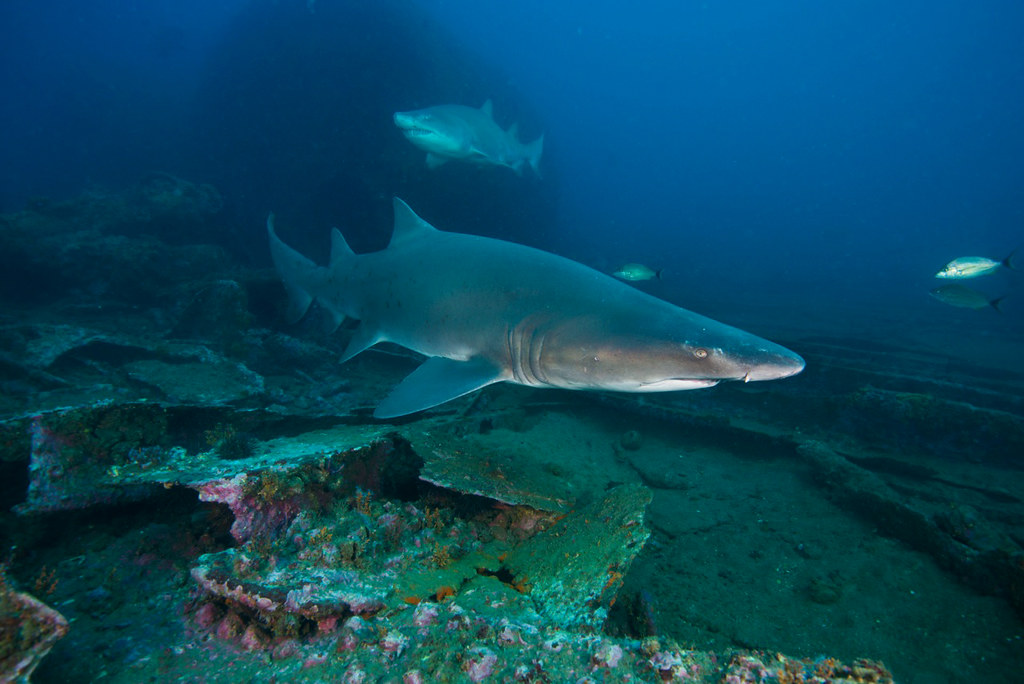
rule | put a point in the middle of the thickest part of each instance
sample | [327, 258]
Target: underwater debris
[313, 593]
[72, 452]
[123, 245]
[28, 630]
[64, 367]
[631, 440]
[751, 667]
[175, 209]
[928, 424]
[218, 312]
[347, 562]
[208, 382]
[318, 546]
[351, 551]
[507, 475]
[576, 567]
[987, 559]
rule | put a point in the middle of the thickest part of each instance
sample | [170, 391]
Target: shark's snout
[774, 366]
[407, 122]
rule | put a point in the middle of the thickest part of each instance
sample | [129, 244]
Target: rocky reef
[348, 564]
[203, 492]
[28, 630]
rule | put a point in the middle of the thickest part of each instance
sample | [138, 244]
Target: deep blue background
[805, 142]
[837, 151]
[97, 92]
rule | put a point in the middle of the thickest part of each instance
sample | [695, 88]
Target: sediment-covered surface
[200, 491]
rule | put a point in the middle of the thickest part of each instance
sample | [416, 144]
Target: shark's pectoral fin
[438, 380]
[433, 160]
[364, 337]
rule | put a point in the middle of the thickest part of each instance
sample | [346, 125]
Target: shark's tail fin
[1008, 261]
[303, 279]
[296, 271]
[532, 152]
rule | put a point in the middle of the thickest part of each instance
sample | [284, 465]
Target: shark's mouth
[676, 384]
[413, 131]
[410, 125]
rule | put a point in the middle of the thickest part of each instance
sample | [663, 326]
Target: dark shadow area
[295, 116]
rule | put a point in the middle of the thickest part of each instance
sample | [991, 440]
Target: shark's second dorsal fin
[488, 109]
[407, 224]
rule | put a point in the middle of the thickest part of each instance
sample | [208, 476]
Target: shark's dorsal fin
[407, 224]
[341, 253]
[513, 131]
[342, 257]
[488, 109]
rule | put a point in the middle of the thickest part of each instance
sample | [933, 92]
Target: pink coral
[314, 660]
[668, 664]
[253, 639]
[481, 664]
[607, 655]
[230, 627]
[425, 615]
[354, 675]
[327, 625]
[509, 637]
[207, 615]
[394, 642]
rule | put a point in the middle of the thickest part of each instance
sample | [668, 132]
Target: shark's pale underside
[487, 311]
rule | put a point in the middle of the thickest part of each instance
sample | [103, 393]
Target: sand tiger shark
[486, 311]
[468, 134]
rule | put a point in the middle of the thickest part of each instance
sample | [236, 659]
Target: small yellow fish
[964, 297]
[972, 267]
[637, 272]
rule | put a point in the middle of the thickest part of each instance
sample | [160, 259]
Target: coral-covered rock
[28, 630]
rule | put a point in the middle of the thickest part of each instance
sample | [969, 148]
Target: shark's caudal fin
[532, 153]
[297, 273]
[1008, 261]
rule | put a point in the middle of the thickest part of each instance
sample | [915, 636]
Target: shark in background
[486, 311]
[467, 134]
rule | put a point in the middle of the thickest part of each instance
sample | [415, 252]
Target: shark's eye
[700, 353]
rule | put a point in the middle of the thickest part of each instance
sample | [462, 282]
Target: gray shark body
[448, 132]
[489, 311]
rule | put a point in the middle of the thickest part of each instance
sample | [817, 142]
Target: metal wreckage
[268, 529]
[360, 553]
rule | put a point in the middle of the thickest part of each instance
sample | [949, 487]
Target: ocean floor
[201, 493]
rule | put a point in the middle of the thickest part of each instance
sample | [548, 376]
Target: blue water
[799, 169]
[852, 147]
